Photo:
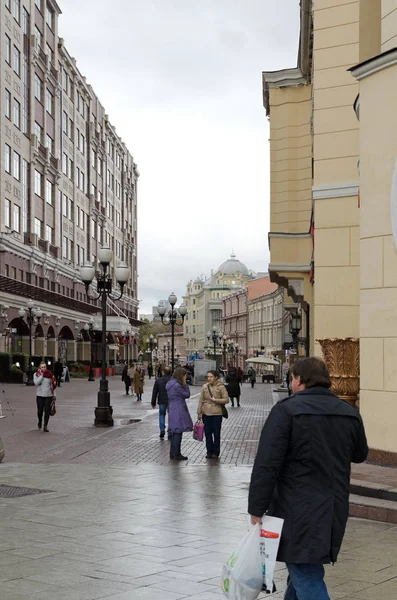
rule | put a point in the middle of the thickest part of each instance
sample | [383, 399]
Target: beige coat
[211, 407]
[138, 382]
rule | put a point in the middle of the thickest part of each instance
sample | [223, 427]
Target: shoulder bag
[225, 414]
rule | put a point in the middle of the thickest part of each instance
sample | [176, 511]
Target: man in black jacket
[160, 395]
[302, 474]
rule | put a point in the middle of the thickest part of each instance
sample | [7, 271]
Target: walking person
[179, 419]
[288, 381]
[126, 378]
[302, 475]
[131, 374]
[150, 370]
[233, 386]
[139, 377]
[252, 376]
[213, 398]
[160, 396]
[45, 383]
[58, 372]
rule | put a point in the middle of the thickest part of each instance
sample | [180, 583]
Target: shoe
[162, 434]
[39, 425]
[215, 456]
[180, 457]
[208, 456]
[46, 430]
[238, 405]
[127, 394]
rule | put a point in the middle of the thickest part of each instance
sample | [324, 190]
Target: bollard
[1, 413]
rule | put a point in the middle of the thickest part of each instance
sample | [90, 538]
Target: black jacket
[159, 392]
[302, 472]
[233, 386]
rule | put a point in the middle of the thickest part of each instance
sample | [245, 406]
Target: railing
[54, 72]
[54, 161]
[42, 244]
[116, 309]
[42, 55]
[54, 251]
[42, 149]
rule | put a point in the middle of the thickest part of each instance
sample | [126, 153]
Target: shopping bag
[270, 534]
[198, 431]
[242, 577]
[53, 409]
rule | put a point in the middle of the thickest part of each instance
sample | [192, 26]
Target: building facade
[68, 186]
[234, 324]
[333, 191]
[203, 300]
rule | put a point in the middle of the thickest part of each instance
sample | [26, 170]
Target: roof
[260, 287]
[232, 266]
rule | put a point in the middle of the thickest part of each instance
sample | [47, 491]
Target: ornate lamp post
[295, 325]
[32, 314]
[140, 355]
[151, 342]
[128, 336]
[216, 337]
[91, 328]
[104, 411]
[237, 351]
[174, 317]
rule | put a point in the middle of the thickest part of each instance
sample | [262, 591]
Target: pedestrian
[131, 374]
[179, 419]
[150, 370]
[302, 475]
[58, 372]
[160, 396]
[288, 381]
[139, 377]
[45, 383]
[233, 386]
[126, 378]
[212, 400]
[252, 376]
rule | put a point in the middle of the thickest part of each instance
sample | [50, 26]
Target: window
[82, 144]
[17, 114]
[64, 249]
[78, 138]
[25, 22]
[7, 49]
[48, 233]
[38, 4]
[7, 158]
[49, 192]
[17, 61]
[65, 122]
[7, 104]
[37, 227]
[39, 36]
[93, 159]
[49, 17]
[17, 10]
[50, 53]
[49, 142]
[17, 218]
[17, 166]
[64, 163]
[38, 179]
[38, 131]
[70, 209]
[100, 166]
[71, 129]
[65, 206]
[92, 228]
[38, 85]
[99, 195]
[82, 181]
[49, 102]
[70, 169]
[82, 221]
[8, 5]
[93, 190]
[7, 213]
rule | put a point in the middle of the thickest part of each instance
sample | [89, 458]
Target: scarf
[48, 375]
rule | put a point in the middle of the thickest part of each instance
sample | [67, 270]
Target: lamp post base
[103, 416]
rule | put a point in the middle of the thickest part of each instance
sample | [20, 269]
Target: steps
[375, 501]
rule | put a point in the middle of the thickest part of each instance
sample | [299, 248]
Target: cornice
[337, 190]
[282, 234]
[290, 268]
[375, 64]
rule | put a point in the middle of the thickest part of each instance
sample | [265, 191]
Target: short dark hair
[312, 372]
[214, 373]
[179, 374]
[166, 371]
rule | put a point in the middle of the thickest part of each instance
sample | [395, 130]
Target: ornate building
[203, 300]
[68, 186]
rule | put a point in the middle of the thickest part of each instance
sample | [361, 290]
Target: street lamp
[172, 319]
[151, 342]
[128, 335]
[91, 328]
[216, 337]
[104, 411]
[237, 350]
[225, 344]
[32, 314]
[295, 325]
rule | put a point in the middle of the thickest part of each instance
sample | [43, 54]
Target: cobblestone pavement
[72, 437]
[152, 532]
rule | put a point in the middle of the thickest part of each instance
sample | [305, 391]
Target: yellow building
[334, 191]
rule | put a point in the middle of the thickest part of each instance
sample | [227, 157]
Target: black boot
[232, 401]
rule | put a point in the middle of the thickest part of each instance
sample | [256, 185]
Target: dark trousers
[238, 400]
[212, 430]
[127, 383]
[43, 406]
[252, 382]
[59, 379]
[176, 441]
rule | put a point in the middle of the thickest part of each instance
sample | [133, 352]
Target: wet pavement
[118, 520]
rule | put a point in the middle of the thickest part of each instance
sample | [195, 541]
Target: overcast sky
[181, 81]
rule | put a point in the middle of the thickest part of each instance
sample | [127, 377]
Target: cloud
[181, 81]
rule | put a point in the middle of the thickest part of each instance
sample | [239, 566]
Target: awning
[263, 360]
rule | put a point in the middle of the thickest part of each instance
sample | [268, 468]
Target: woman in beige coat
[213, 397]
[139, 377]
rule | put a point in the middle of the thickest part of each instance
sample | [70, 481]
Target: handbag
[198, 431]
[225, 414]
[53, 409]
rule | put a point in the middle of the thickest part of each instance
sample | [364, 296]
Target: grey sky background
[181, 82]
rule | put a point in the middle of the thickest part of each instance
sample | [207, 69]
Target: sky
[181, 80]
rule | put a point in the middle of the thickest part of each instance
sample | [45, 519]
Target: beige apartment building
[68, 186]
[333, 153]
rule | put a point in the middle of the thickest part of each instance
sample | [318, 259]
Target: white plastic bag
[242, 577]
[270, 534]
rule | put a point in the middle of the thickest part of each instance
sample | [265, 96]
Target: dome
[232, 266]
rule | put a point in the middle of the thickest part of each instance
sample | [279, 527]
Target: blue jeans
[306, 582]
[162, 413]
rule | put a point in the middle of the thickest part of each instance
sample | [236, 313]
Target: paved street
[117, 520]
